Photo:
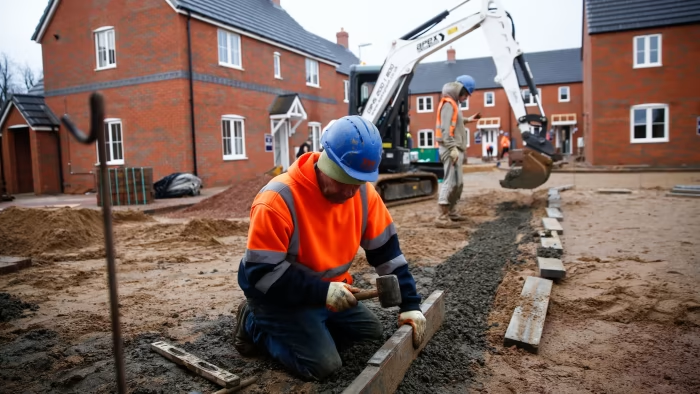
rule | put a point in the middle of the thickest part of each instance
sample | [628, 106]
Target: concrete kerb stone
[551, 224]
[550, 268]
[10, 264]
[614, 191]
[527, 323]
[555, 213]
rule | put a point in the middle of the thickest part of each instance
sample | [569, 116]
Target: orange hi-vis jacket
[505, 142]
[453, 121]
[298, 242]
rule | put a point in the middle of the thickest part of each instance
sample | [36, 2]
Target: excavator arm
[407, 52]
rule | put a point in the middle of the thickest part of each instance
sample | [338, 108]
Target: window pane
[223, 47]
[429, 103]
[420, 104]
[654, 56]
[640, 116]
[111, 46]
[654, 43]
[421, 139]
[227, 137]
[658, 115]
[658, 130]
[640, 131]
[430, 139]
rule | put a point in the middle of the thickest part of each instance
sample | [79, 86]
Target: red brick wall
[616, 86]
[501, 109]
[8, 149]
[588, 138]
[151, 38]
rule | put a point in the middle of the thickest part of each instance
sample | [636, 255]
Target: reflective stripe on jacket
[298, 241]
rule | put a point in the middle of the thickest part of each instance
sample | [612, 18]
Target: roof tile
[615, 15]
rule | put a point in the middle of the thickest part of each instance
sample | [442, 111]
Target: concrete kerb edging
[387, 367]
[527, 322]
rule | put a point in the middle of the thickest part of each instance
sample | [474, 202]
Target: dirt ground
[625, 320]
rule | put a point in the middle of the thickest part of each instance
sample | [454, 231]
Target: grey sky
[540, 25]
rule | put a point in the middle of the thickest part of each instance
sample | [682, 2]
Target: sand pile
[207, 228]
[233, 202]
[31, 231]
[131, 216]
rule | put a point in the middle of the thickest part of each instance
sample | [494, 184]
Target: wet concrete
[470, 279]
[11, 307]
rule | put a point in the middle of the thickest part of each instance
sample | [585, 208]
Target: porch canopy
[563, 119]
[36, 114]
[489, 123]
[287, 107]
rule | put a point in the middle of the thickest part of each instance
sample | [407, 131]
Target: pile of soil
[207, 228]
[12, 307]
[131, 215]
[233, 202]
[32, 231]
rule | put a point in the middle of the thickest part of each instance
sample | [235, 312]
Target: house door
[23, 161]
[280, 143]
[565, 139]
[488, 137]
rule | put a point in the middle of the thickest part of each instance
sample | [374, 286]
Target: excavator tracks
[406, 187]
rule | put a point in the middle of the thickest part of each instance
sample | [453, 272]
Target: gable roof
[344, 55]
[549, 67]
[38, 88]
[33, 109]
[615, 15]
[261, 18]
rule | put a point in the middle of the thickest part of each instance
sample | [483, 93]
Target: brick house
[641, 66]
[225, 90]
[558, 76]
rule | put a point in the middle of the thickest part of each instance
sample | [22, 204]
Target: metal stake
[97, 116]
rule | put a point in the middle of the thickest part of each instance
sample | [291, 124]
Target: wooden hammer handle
[367, 294]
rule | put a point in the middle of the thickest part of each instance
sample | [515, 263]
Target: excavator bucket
[528, 170]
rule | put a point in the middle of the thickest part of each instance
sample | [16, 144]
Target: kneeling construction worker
[451, 139]
[306, 226]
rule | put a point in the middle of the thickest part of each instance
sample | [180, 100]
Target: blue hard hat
[354, 144]
[468, 82]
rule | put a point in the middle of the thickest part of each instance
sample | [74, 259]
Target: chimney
[342, 37]
[277, 3]
[451, 55]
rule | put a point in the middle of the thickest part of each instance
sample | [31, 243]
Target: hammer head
[388, 291]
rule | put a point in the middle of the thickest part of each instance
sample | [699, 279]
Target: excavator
[381, 95]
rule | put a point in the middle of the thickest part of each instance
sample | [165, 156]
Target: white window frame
[568, 94]
[531, 102]
[231, 61]
[346, 90]
[426, 132]
[464, 105]
[425, 100]
[467, 131]
[647, 51]
[277, 65]
[493, 99]
[311, 67]
[648, 139]
[109, 142]
[315, 135]
[233, 119]
[109, 35]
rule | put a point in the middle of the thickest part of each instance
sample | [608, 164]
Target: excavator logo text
[430, 42]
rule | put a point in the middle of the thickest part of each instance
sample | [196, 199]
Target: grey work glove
[454, 154]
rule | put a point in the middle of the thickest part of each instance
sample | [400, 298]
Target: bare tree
[7, 86]
[28, 76]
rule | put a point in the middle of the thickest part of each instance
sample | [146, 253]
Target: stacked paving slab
[688, 191]
[526, 325]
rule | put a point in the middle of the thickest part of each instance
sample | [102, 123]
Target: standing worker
[306, 226]
[451, 139]
[505, 145]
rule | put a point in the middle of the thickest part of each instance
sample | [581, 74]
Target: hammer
[387, 291]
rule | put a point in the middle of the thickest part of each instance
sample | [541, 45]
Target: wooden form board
[386, 369]
[197, 365]
[10, 264]
[527, 323]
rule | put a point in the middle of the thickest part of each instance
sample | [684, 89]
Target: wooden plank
[526, 324]
[197, 365]
[387, 367]
[551, 268]
[551, 224]
[555, 213]
[10, 264]
[614, 191]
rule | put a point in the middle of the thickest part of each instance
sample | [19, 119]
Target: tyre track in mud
[469, 278]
